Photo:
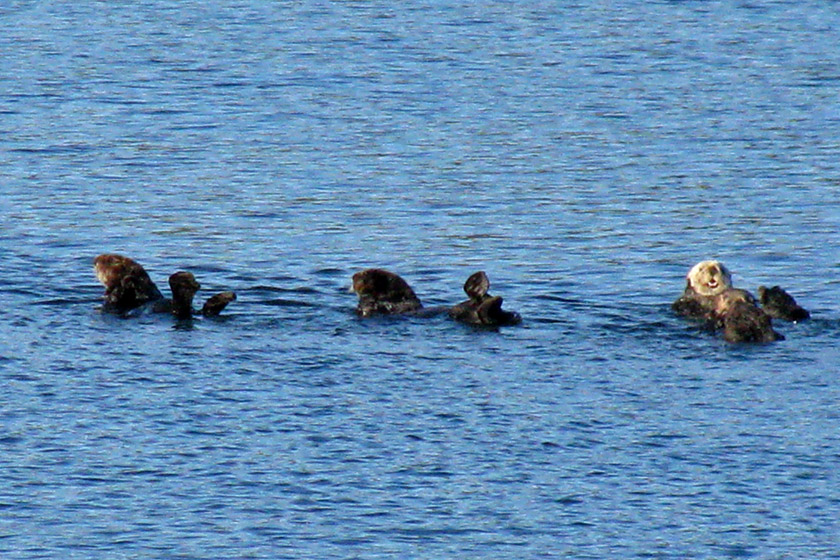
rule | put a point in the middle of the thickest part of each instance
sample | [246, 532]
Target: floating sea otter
[709, 296]
[741, 319]
[128, 286]
[482, 308]
[383, 293]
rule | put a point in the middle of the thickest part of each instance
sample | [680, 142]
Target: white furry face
[709, 278]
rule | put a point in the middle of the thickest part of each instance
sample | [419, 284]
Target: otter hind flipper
[781, 305]
[217, 303]
[482, 308]
[477, 285]
[490, 312]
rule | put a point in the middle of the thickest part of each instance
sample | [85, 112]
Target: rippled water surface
[584, 155]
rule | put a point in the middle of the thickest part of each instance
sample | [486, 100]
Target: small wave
[277, 289]
[67, 301]
[288, 303]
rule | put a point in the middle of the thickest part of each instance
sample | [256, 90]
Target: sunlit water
[584, 155]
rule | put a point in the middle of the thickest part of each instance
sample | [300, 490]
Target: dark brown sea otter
[741, 319]
[482, 308]
[383, 293]
[128, 287]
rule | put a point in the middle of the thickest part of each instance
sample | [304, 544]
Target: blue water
[584, 155]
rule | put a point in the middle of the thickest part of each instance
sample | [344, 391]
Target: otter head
[126, 283]
[709, 278]
[381, 284]
[111, 269]
[104, 266]
[383, 292]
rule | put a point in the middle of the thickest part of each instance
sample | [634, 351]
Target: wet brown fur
[742, 320]
[481, 308]
[781, 305]
[128, 286]
[382, 292]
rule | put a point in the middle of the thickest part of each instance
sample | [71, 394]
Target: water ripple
[583, 155]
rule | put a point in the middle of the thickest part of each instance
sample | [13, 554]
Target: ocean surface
[585, 155]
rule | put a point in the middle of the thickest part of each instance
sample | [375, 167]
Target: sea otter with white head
[709, 296]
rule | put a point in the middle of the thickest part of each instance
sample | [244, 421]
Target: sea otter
[383, 293]
[741, 320]
[780, 305]
[705, 281]
[128, 287]
[709, 296]
[482, 308]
